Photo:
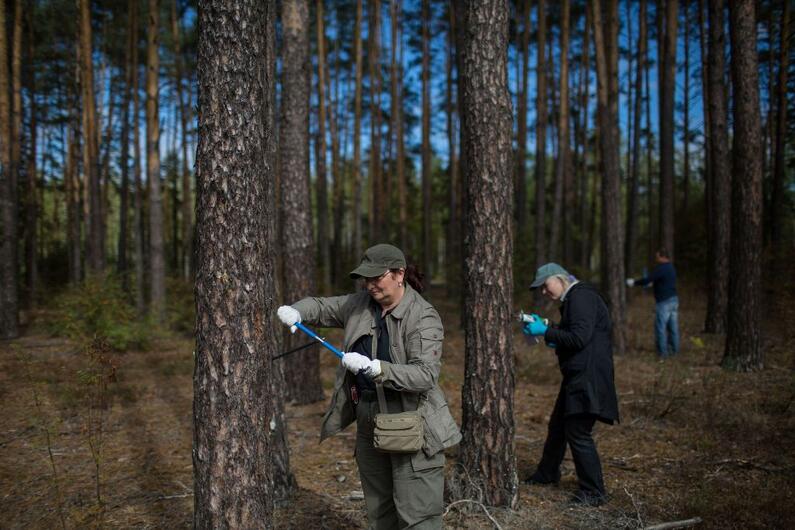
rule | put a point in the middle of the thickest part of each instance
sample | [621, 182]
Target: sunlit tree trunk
[323, 238]
[157, 266]
[634, 169]
[235, 268]
[668, 90]
[605, 39]
[719, 225]
[487, 449]
[743, 340]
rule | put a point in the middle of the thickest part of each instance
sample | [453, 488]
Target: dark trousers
[576, 431]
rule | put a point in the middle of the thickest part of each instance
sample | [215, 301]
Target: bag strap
[379, 388]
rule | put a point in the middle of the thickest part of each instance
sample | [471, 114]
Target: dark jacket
[585, 354]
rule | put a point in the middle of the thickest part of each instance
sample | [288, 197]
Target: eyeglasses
[376, 279]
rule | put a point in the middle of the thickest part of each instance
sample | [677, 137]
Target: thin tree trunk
[667, 98]
[652, 230]
[562, 169]
[377, 197]
[95, 247]
[323, 237]
[520, 184]
[338, 206]
[605, 39]
[32, 206]
[743, 340]
[157, 267]
[9, 317]
[707, 168]
[541, 135]
[235, 269]
[357, 133]
[779, 160]
[719, 225]
[302, 374]
[403, 212]
[585, 81]
[427, 220]
[487, 449]
[634, 174]
[452, 249]
[138, 217]
[686, 111]
[184, 114]
[124, 199]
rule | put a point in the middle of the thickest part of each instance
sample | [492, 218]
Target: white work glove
[630, 282]
[356, 362]
[289, 316]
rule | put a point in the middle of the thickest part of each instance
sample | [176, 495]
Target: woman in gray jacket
[393, 338]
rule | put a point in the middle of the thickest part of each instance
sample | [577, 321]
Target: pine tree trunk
[719, 225]
[302, 373]
[377, 196]
[31, 206]
[520, 183]
[541, 136]
[667, 97]
[138, 217]
[562, 169]
[779, 160]
[184, 114]
[157, 266]
[9, 317]
[686, 113]
[235, 269]
[72, 185]
[338, 203]
[452, 248]
[357, 133]
[324, 245]
[634, 170]
[605, 38]
[95, 248]
[124, 195]
[400, 168]
[584, 91]
[743, 340]
[427, 220]
[487, 449]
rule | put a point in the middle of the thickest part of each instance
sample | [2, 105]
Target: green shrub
[98, 308]
[180, 306]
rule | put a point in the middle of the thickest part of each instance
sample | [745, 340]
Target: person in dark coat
[583, 344]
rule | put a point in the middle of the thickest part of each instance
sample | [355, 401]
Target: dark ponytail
[415, 278]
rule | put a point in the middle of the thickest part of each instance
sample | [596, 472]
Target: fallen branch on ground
[493, 521]
[684, 523]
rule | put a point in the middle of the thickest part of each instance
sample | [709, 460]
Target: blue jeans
[666, 327]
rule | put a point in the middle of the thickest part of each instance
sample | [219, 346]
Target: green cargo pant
[397, 495]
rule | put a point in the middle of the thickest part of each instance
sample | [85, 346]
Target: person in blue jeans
[666, 321]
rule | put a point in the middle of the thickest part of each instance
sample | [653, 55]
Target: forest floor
[694, 440]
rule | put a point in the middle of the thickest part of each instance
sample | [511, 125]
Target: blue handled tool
[318, 338]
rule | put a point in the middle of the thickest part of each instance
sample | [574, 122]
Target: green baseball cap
[377, 260]
[545, 271]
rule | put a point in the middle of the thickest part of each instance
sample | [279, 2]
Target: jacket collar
[405, 302]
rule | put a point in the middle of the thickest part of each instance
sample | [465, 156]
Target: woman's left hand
[535, 327]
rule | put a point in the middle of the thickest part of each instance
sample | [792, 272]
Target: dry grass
[694, 440]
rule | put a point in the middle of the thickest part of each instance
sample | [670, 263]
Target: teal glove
[535, 327]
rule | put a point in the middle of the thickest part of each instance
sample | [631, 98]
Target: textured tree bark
[562, 165]
[743, 339]
[302, 372]
[612, 233]
[157, 265]
[668, 87]
[184, 111]
[95, 255]
[356, 186]
[9, 317]
[719, 225]
[779, 160]
[541, 136]
[235, 269]
[487, 449]
[427, 220]
[377, 197]
[323, 238]
[634, 174]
